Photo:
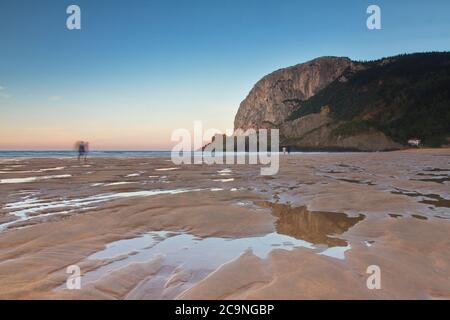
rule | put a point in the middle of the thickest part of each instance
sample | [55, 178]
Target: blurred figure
[83, 149]
[86, 150]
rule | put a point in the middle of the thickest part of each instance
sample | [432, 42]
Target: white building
[415, 142]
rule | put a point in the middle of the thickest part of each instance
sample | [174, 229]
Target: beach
[144, 228]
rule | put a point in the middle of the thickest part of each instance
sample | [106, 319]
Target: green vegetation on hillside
[353, 127]
[404, 96]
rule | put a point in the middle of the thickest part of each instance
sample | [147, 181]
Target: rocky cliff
[274, 97]
[337, 103]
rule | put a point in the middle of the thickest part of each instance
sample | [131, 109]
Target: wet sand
[143, 228]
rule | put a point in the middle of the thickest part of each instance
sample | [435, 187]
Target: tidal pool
[199, 257]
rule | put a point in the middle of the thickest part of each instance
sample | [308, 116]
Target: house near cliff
[414, 142]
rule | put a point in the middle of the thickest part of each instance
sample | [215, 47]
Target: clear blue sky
[139, 69]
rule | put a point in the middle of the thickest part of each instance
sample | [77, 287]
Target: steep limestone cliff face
[274, 97]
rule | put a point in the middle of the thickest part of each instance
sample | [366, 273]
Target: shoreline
[166, 153]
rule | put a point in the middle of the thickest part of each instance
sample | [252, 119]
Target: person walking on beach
[86, 150]
[83, 148]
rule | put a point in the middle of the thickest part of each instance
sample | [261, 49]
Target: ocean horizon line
[73, 153]
[73, 150]
[114, 153]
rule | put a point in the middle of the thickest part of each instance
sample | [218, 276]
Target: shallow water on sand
[29, 207]
[33, 179]
[295, 228]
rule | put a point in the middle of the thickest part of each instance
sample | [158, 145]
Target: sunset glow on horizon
[134, 73]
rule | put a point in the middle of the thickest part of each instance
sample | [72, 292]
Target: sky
[137, 70]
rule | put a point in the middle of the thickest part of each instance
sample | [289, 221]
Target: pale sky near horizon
[137, 70]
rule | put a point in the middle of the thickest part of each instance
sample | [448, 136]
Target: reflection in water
[315, 227]
[199, 257]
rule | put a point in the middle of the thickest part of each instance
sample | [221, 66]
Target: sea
[70, 153]
[118, 153]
